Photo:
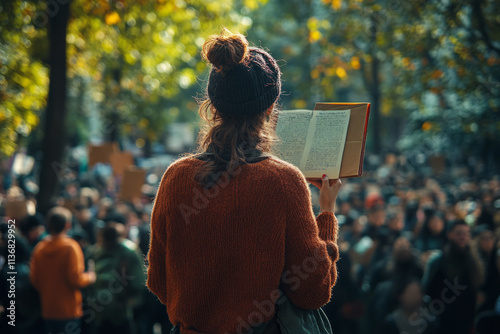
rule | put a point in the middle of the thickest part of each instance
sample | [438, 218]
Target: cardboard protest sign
[120, 161]
[101, 153]
[16, 208]
[132, 182]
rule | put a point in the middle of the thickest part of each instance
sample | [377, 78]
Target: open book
[327, 140]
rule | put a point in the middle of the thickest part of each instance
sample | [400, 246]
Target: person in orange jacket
[57, 272]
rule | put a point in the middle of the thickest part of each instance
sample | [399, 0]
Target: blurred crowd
[419, 247]
[419, 250]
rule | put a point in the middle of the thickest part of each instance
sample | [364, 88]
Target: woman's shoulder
[181, 164]
[273, 166]
[282, 165]
[285, 170]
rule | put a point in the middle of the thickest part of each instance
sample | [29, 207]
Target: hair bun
[225, 50]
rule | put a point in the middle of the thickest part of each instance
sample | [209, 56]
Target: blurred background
[128, 72]
[98, 97]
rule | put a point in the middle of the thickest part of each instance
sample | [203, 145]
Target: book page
[292, 129]
[325, 143]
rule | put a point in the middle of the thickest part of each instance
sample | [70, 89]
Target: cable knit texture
[217, 256]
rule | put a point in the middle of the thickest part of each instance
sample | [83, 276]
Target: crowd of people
[419, 253]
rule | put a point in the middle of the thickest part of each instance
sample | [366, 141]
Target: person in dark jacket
[28, 312]
[33, 229]
[120, 281]
[409, 317]
[452, 279]
[87, 222]
[433, 234]
[485, 246]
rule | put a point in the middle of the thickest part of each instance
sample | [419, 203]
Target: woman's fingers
[315, 182]
[319, 183]
[336, 184]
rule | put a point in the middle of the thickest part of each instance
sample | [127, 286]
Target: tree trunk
[54, 139]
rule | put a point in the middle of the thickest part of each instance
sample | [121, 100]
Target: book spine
[364, 141]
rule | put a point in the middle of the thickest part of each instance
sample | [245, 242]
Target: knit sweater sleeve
[310, 248]
[156, 272]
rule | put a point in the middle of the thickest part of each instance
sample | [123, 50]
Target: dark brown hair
[228, 139]
[57, 218]
[225, 50]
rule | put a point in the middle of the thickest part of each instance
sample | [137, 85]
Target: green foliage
[437, 62]
[440, 64]
[135, 65]
[143, 57]
[281, 27]
[23, 79]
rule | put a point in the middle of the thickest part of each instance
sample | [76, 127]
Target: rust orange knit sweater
[57, 272]
[218, 256]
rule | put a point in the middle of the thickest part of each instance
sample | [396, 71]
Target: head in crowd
[435, 223]
[105, 207]
[32, 226]
[58, 220]
[243, 87]
[402, 251]
[82, 213]
[376, 216]
[485, 239]
[395, 220]
[459, 259]
[110, 234]
[459, 234]
[409, 295]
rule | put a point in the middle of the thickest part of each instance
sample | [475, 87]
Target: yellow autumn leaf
[31, 119]
[26, 103]
[143, 123]
[336, 4]
[107, 46]
[315, 74]
[16, 121]
[112, 18]
[251, 4]
[129, 58]
[300, 104]
[312, 23]
[355, 63]
[386, 107]
[341, 73]
[314, 36]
